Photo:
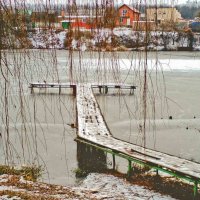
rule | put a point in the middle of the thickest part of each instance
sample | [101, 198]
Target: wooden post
[100, 89]
[32, 91]
[59, 89]
[106, 89]
[74, 90]
[129, 169]
[195, 189]
[113, 161]
[132, 90]
[157, 172]
[45, 86]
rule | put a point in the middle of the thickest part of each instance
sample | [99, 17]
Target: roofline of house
[160, 7]
[135, 10]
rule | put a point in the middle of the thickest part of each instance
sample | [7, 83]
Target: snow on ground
[197, 48]
[16, 188]
[4, 178]
[7, 197]
[126, 37]
[95, 186]
[113, 188]
[47, 39]
[122, 31]
[10, 188]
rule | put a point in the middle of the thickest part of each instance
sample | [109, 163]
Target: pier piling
[129, 168]
[114, 163]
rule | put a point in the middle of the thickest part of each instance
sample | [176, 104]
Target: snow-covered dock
[93, 130]
[46, 85]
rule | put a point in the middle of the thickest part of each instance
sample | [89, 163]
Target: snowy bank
[119, 39]
[95, 186]
[110, 187]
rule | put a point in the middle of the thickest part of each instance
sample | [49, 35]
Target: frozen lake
[46, 117]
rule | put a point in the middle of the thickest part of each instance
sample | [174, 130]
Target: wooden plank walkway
[92, 129]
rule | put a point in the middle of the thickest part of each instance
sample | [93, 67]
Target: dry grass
[30, 173]
[166, 185]
[18, 187]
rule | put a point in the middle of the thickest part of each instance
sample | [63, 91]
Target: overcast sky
[116, 1]
[161, 2]
[153, 1]
[133, 1]
[148, 1]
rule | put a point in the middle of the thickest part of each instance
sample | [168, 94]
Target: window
[124, 12]
[121, 20]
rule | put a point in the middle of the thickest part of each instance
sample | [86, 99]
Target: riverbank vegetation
[120, 39]
[29, 173]
[93, 187]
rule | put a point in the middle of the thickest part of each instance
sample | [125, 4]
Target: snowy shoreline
[118, 39]
[94, 186]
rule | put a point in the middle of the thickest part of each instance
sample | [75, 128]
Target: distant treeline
[188, 12]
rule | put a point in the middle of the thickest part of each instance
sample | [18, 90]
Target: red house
[127, 15]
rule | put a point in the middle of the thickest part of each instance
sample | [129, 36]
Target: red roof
[130, 7]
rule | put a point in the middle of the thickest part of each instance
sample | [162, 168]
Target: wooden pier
[103, 88]
[92, 130]
[59, 86]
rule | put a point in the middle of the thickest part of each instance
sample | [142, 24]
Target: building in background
[127, 16]
[79, 21]
[195, 25]
[163, 15]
